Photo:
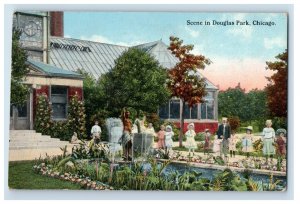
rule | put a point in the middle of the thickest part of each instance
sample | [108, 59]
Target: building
[98, 58]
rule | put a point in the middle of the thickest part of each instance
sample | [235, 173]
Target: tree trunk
[181, 123]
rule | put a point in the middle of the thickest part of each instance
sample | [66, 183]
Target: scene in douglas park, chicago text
[159, 101]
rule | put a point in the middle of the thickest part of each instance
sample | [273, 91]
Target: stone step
[24, 131]
[37, 142]
[26, 134]
[40, 147]
[37, 138]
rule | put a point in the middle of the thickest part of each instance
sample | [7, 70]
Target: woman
[268, 140]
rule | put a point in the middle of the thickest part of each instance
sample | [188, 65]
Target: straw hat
[224, 118]
[281, 130]
[206, 130]
[169, 127]
[249, 128]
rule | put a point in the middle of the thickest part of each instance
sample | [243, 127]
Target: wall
[200, 126]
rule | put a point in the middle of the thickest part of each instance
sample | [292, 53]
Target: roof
[98, 58]
[53, 71]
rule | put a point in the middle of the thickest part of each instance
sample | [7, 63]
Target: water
[210, 173]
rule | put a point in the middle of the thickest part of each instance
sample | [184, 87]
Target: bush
[234, 122]
[61, 130]
[200, 136]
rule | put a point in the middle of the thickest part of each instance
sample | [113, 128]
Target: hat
[249, 128]
[281, 130]
[191, 124]
[169, 127]
[206, 130]
[268, 122]
[224, 118]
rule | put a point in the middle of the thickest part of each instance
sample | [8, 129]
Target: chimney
[57, 23]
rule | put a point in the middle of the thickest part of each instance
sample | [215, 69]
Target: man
[224, 133]
[96, 132]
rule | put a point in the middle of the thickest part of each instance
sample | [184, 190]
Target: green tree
[76, 116]
[19, 69]
[277, 87]
[43, 113]
[184, 81]
[136, 81]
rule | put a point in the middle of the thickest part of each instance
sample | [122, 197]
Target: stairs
[30, 145]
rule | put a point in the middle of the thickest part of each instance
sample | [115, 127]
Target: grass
[21, 176]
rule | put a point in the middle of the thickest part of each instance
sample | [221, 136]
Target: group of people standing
[224, 143]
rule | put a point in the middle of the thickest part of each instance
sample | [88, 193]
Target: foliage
[234, 122]
[76, 116]
[19, 69]
[184, 80]
[277, 86]
[228, 181]
[258, 145]
[154, 119]
[235, 102]
[90, 150]
[43, 120]
[141, 88]
[61, 130]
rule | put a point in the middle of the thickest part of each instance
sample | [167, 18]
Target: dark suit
[221, 131]
[225, 142]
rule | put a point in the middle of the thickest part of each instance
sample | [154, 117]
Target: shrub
[200, 136]
[234, 122]
[61, 130]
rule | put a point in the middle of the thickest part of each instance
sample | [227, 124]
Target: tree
[137, 81]
[19, 69]
[277, 86]
[184, 81]
[43, 120]
[76, 116]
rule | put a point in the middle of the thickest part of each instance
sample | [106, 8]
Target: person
[161, 138]
[232, 144]
[206, 141]
[268, 140]
[96, 132]
[126, 138]
[168, 138]
[224, 134]
[247, 141]
[150, 131]
[281, 142]
[190, 138]
[217, 145]
[74, 139]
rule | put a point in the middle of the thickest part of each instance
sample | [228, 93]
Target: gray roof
[101, 56]
[52, 71]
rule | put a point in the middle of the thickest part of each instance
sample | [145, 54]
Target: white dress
[190, 139]
[168, 139]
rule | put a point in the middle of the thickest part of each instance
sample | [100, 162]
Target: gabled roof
[101, 56]
[52, 71]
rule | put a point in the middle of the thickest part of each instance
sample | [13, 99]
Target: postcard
[169, 101]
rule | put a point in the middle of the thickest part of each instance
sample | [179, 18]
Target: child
[161, 138]
[190, 138]
[247, 141]
[217, 145]
[232, 144]
[207, 140]
[96, 132]
[281, 142]
[168, 138]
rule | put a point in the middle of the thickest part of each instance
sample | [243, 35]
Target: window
[174, 109]
[59, 101]
[207, 110]
[164, 111]
[190, 113]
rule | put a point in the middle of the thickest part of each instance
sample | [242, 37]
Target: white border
[78, 195]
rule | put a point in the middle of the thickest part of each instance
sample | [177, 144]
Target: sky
[238, 51]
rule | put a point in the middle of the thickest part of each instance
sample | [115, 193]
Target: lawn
[21, 176]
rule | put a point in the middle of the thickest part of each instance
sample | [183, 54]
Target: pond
[209, 173]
